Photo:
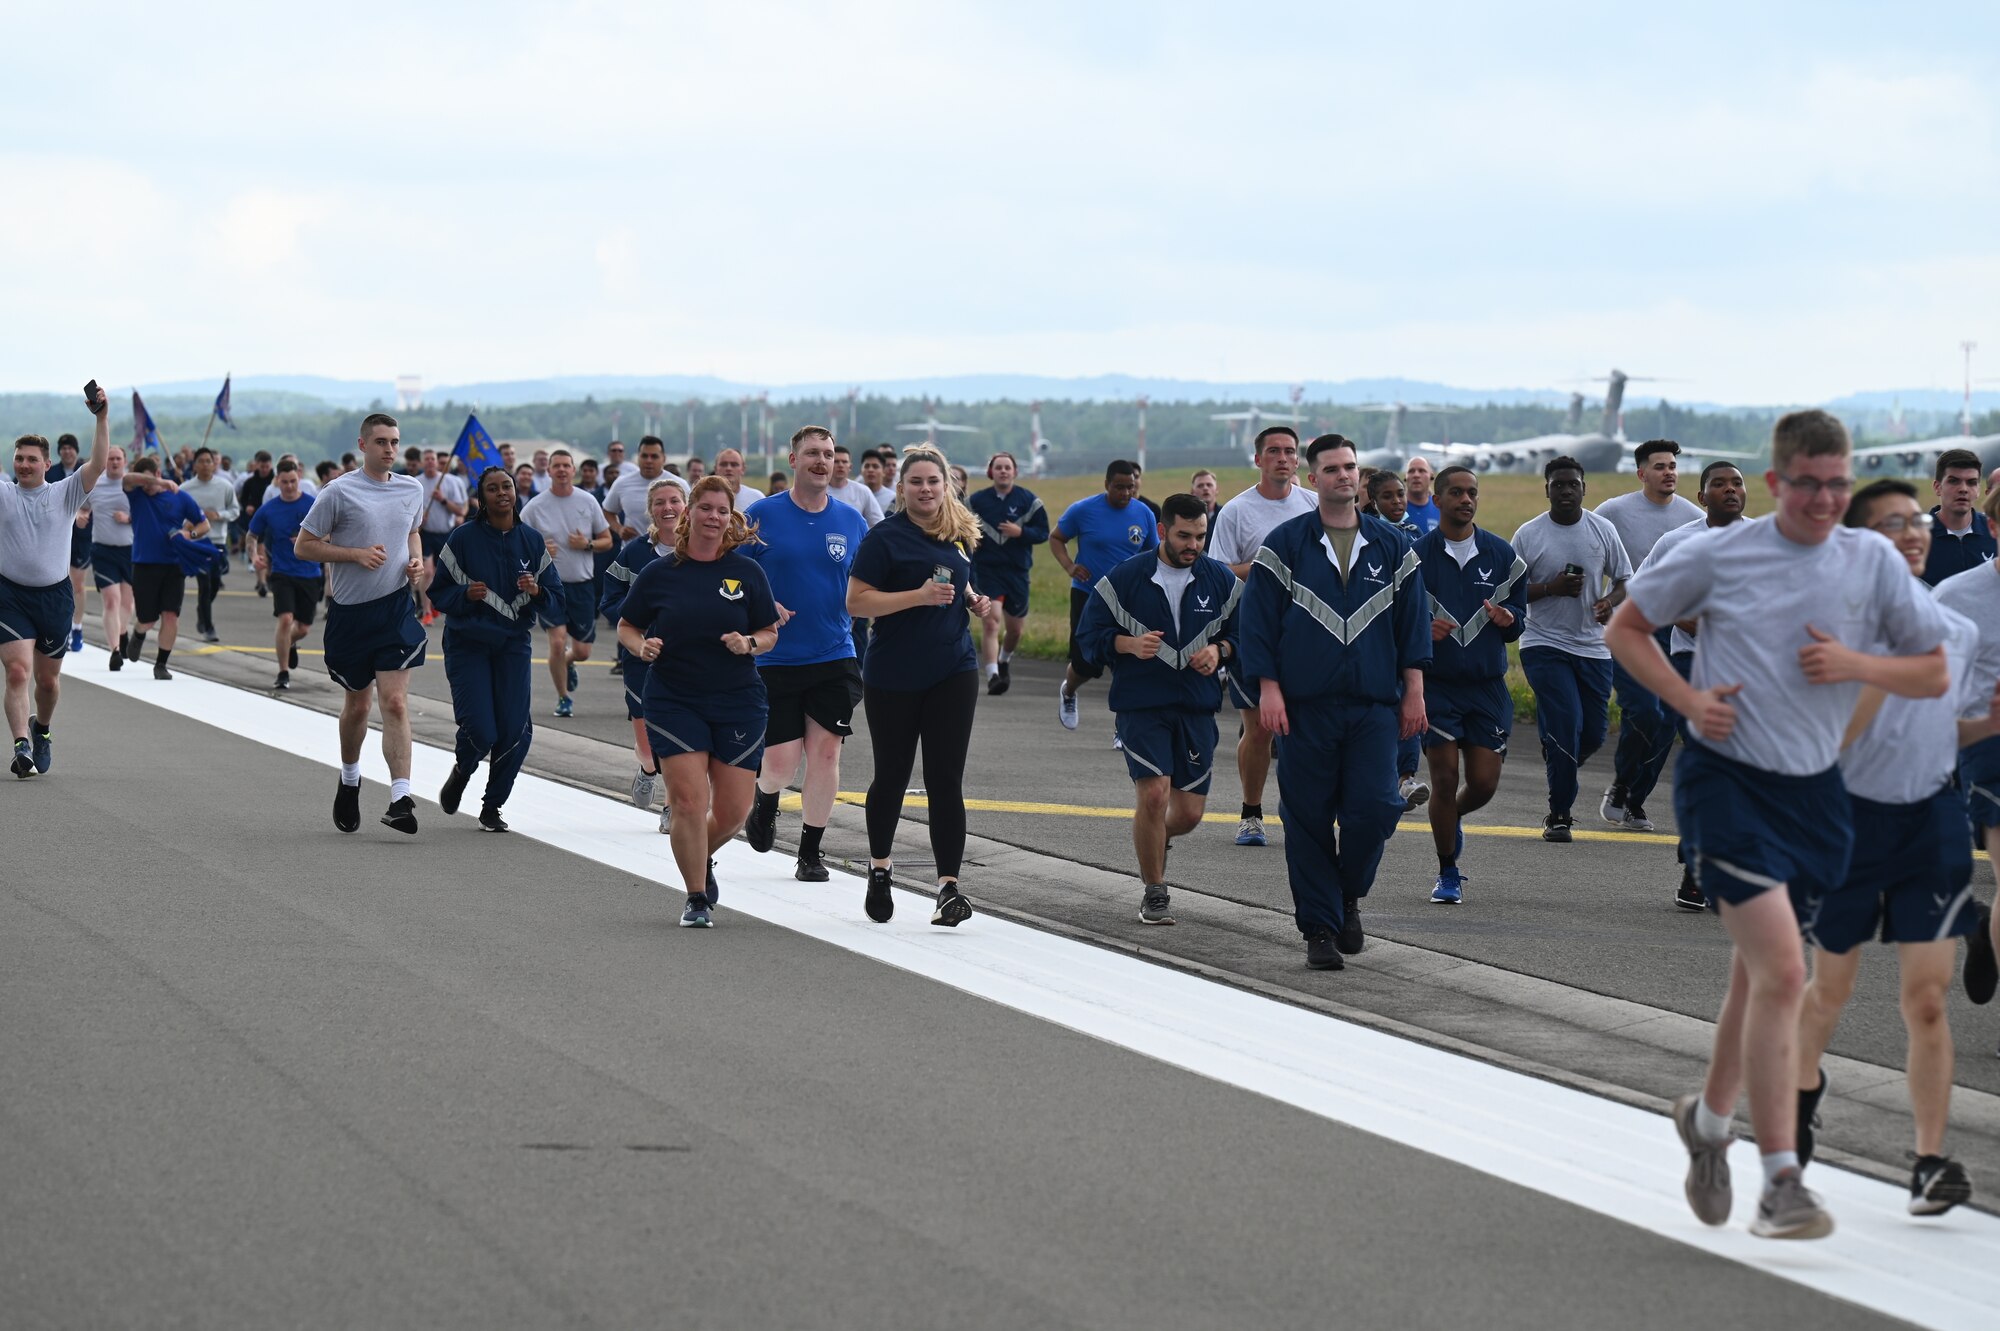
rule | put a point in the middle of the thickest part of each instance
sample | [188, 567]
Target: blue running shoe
[1447, 891]
[572, 677]
[41, 746]
[1250, 832]
[564, 708]
[76, 639]
[696, 914]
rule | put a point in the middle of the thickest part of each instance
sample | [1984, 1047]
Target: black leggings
[940, 718]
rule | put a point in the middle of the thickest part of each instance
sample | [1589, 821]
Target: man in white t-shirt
[729, 466]
[444, 508]
[1239, 530]
[850, 491]
[575, 528]
[625, 500]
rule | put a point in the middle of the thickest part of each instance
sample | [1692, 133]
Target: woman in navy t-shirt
[666, 500]
[698, 618]
[912, 576]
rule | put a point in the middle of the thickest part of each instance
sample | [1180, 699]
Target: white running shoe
[1415, 791]
[1066, 710]
[642, 789]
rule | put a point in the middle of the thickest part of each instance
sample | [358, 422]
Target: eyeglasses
[1839, 487]
[1896, 526]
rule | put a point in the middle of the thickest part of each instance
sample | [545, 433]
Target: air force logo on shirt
[836, 546]
[1136, 535]
[731, 589]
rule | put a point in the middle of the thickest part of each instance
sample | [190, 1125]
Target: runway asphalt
[257, 1073]
[1596, 915]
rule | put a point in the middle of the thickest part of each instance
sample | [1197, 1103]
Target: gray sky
[1771, 201]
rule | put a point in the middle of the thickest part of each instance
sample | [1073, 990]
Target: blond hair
[953, 522]
[738, 532]
[662, 481]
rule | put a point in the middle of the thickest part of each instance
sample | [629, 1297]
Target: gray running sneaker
[1791, 1210]
[1708, 1190]
[642, 788]
[1155, 908]
[666, 818]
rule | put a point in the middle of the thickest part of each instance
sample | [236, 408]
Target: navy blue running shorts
[1747, 831]
[1008, 586]
[112, 564]
[1174, 742]
[732, 732]
[40, 615]
[372, 637]
[575, 611]
[1910, 882]
[1979, 780]
[1478, 713]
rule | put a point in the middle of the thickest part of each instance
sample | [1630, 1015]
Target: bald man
[1421, 508]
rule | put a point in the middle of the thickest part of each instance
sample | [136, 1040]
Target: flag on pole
[222, 403]
[144, 433]
[476, 447]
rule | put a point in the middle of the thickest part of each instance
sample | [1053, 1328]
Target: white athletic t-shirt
[1975, 594]
[1754, 593]
[1243, 523]
[440, 490]
[858, 496]
[625, 501]
[555, 518]
[1174, 582]
[1910, 750]
[1566, 622]
[1680, 640]
[36, 527]
[108, 498]
[357, 511]
[1641, 522]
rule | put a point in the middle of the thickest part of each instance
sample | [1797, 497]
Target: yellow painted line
[210, 649]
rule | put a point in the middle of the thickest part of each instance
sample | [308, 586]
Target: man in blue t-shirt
[296, 585]
[1420, 506]
[159, 583]
[806, 540]
[1108, 530]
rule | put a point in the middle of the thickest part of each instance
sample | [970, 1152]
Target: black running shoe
[881, 902]
[710, 887]
[347, 807]
[284, 683]
[811, 870]
[160, 670]
[1809, 1119]
[1006, 679]
[1982, 974]
[1350, 938]
[454, 789]
[292, 658]
[1689, 897]
[952, 907]
[489, 820]
[760, 829]
[42, 744]
[1556, 827]
[23, 765]
[1321, 954]
[402, 815]
[1937, 1184]
[118, 657]
[263, 590]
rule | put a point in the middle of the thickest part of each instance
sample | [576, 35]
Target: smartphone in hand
[91, 392]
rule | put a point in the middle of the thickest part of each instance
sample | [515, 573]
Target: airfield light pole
[1143, 400]
[743, 443]
[1034, 430]
[690, 404]
[764, 426]
[853, 395]
[1965, 412]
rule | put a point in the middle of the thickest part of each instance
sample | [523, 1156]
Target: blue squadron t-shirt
[155, 518]
[277, 526]
[1106, 537]
[688, 605]
[911, 650]
[807, 555]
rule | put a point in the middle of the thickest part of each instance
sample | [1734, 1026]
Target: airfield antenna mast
[1965, 412]
[1143, 400]
[764, 419]
[743, 446]
[853, 395]
[691, 404]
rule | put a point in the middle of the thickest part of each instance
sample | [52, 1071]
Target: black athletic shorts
[828, 692]
[297, 597]
[157, 589]
[432, 542]
[1078, 599]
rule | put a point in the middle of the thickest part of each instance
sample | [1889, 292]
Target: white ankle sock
[350, 774]
[1709, 1125]
[1776, 1163]
[399, 788]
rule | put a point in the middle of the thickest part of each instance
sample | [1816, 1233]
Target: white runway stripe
[1604, 1157]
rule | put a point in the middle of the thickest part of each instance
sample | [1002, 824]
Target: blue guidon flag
[144, 434]
[476, 447]
[222, 403]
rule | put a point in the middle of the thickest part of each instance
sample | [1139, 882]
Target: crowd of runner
[1831, 672]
